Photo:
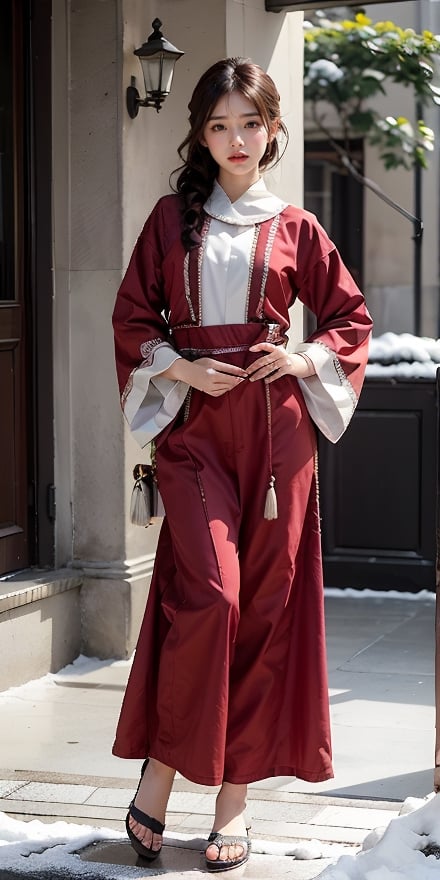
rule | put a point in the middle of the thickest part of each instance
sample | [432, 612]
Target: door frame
[39, 280]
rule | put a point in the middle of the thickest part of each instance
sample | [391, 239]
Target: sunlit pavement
[56, 763]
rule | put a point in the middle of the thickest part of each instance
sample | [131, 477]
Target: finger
[264, 367]
[283, 369]
[260, 364]
[217, 392]
[224, 368]
[223, 383]
[263, 346]
[231, 379]
[232, 370]
[227, 383]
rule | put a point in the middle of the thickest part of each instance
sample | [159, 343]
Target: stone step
[40, 622]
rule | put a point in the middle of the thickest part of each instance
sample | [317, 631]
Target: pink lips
[238, 157]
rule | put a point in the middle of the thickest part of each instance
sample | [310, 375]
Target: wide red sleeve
[142, 341]
[138, 319]
[338, 347]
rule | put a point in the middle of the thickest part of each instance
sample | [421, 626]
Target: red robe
[229, 677]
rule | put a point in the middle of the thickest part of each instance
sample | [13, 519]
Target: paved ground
[56, 762]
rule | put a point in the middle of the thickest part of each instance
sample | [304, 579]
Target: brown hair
[199, 170]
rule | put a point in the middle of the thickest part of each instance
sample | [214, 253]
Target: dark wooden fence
[379, 490]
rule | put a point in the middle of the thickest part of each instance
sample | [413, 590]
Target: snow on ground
[81, 666]
[393, 854]
[351, 593]
[396, 853]
[31, 847]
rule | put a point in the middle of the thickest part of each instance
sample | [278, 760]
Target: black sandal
[220, 840]
[146, 852]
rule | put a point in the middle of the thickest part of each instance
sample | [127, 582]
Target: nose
[236, 139]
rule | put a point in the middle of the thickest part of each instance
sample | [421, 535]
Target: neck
[234, 187]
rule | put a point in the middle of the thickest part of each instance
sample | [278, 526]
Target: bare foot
[152, 798]
[229, 820]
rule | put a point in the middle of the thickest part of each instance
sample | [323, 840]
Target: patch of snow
[403, 356]
[396, 854]
[81, 666]
[393, 348]
[84, 664]
[413, 370]
[30, 847]
[33, 847]
[350, 593]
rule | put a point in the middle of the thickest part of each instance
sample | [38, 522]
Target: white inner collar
[254, 206]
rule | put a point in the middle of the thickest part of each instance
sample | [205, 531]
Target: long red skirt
[229, 679]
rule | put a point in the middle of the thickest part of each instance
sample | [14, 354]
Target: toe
[227, 852]
[156, 842]
[224, 853]
[144, 835]
[233, 852]
[212, 852]
[236, 852]
[147, 838]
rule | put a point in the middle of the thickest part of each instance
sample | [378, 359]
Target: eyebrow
[242, 115]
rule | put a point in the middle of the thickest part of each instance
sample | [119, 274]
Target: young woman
[229, 682]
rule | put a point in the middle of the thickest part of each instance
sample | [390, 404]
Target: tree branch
[370, 184]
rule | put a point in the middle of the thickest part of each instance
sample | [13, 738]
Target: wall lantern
[157, 57]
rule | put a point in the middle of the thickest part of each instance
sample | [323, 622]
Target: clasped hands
[217, 378]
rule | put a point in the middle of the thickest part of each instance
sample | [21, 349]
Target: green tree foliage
[347, 63]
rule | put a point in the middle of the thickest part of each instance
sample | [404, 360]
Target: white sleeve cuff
[152, 401]
[329, 396]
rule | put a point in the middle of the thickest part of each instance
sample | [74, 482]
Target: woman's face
[237, 138]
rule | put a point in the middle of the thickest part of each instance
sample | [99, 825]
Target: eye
[218, 127]
[253, 124]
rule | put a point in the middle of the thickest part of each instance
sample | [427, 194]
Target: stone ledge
[184, 785]
[33, 585]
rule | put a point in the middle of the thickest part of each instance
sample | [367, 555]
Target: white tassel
[140, 506]
[271, 506]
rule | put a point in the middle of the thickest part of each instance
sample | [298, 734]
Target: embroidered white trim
[341, 374]
[267, 254]
[329, 395]
[187, 286]
[147, 349]
[155, 344]
[318, 503]
[187, 405]
[202, 248]
[204, 352]
[251, 267]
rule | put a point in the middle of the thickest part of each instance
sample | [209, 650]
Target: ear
[202, 142]
[273, 131]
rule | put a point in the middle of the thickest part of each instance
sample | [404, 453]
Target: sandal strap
[229, 840]
[144, 819]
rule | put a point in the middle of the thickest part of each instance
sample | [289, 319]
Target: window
[336, 199]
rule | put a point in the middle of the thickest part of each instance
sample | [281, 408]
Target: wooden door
[14, 551]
